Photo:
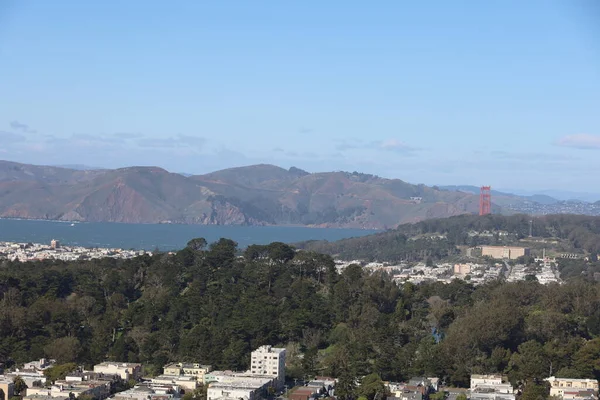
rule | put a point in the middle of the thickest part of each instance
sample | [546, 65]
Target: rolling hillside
[253, 195]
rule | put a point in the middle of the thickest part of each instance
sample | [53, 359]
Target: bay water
[164, 237]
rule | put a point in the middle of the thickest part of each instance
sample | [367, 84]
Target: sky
[499, 92]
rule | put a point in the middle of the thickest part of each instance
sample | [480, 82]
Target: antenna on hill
[530, 228]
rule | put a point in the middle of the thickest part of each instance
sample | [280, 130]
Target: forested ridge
[206, 304]
[416, 241]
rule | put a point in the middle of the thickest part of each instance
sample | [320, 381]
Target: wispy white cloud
[196, 142]
[19, 126]
[583, 141]
[392, 144]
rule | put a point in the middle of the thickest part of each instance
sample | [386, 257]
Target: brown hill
[254, 195]
[11, 171]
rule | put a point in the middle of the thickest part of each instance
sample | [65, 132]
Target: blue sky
[505, 93]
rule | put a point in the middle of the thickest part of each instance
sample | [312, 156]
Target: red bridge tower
[485, 201]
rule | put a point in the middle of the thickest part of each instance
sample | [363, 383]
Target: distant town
[544, 270]
[54, 250]
[503, 267]
[560, 207]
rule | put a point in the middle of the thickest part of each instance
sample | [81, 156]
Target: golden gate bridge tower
[485, 200]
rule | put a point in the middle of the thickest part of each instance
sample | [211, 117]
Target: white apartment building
[490, 387]
[571, 388]
[268, 361]
[31, 377]
[486, 380]
[146, 392]
[125, 370]
[187, 383]
[238, 390]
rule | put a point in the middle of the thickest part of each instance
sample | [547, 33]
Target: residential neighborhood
[477, 273]
[56, 251]
[264, 380]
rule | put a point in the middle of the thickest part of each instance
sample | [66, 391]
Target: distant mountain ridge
[538, 198]
[253, 195]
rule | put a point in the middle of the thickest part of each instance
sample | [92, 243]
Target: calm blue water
[163, 236]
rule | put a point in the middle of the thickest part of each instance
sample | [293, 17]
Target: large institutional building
[502, 252]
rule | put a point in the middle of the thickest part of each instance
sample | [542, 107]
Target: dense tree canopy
[207, 304]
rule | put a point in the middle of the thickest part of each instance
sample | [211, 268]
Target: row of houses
[490, 387]
[416, 388]
[497, 387]
[266, 376]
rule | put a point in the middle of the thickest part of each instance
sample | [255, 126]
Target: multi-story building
[462, 269]
[268, 361]
[188, 369]
[572, 388]
[126, 371]
[30, 377]
[230, 377]
[485, 380]
[187, 383]
[97, 389]
[491, 387]
[7, 388]
[237, 390]
[148, 392]
[501, 252]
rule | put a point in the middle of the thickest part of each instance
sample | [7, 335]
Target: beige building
[97, 389]
[188, 369]
[7, 389]
[571, 388]
[502, 252]
[187, 383]
[462, 269]
[126, 371]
